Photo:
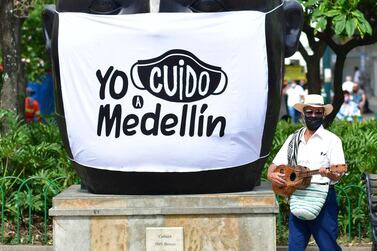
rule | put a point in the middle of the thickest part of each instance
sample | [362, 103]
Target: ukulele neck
[335, 168]
[309, 173]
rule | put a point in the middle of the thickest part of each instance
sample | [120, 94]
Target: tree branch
[337, 87]
[358, 41]
[321, 46]
[329, 41]
[309, 31]
[327, 37]
[354, 42]
[303, 52]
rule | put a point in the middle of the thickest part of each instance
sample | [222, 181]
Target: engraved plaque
[164, 239]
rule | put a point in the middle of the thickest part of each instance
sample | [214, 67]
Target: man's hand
[325, 172]
[275, 177]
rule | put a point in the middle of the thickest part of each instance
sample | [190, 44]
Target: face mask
[134, 92]
[346, 99]
[313, 123]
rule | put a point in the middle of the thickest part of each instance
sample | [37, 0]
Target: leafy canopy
[345, 17]
[34, 54]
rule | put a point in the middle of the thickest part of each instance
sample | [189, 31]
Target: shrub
[32, 159]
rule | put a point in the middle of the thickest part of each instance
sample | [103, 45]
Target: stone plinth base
[232, 221]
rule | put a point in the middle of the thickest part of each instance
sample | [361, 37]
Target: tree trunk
[337, 87]
[10, 30]
[313, 75]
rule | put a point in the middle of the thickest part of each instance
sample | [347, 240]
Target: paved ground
[311, 248]
[25, 248]
[373, 107]
[50, 248]
[373, 103]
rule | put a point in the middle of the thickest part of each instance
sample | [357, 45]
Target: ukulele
[299, 177]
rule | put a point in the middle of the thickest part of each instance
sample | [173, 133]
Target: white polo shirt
[294, 95]
[323, 149]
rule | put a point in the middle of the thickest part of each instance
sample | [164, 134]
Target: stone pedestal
[231, 221]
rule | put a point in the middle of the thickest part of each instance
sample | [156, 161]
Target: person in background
[349, 111]
[358, 96]
[32, 111]
[295, 94]
[348, 84]
[356, 75]
[366, 106]
[283, 103]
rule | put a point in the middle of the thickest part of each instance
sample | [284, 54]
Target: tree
[342, 25]
[33, 50]
[22, 48]
[10, 28]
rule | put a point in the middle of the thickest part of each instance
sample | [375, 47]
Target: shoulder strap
[293, 147]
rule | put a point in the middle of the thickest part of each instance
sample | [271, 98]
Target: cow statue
[183, 99]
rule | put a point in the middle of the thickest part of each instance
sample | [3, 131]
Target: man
[317, 148]
[356, 75]
[32, 112]
[348, 84]
[295, 94]
[358, 96]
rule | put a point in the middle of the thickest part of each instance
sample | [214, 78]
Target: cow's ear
[294, 18]
[48, 16]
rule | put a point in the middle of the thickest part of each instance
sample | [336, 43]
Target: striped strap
[293, 147]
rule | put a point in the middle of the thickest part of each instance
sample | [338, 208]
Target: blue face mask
[313, 123]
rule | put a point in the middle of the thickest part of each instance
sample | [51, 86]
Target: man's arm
[336, 157]
[37, 111]
[362, 102]
[280, 158]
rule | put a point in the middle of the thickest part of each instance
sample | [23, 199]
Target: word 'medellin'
[189, 121]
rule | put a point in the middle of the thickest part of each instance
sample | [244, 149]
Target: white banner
[164, 92]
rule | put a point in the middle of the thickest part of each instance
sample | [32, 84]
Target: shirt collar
[320, 132]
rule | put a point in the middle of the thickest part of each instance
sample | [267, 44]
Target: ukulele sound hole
[292, 176]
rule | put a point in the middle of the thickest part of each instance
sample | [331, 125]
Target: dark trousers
[324, 228]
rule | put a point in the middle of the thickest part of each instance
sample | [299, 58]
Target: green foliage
[35, 153]
[359, 141]
[360, 144]
[345, 16]
[283, 130]
[34, 54]
[33, 164]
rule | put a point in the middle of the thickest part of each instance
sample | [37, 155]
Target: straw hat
[313, 100]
